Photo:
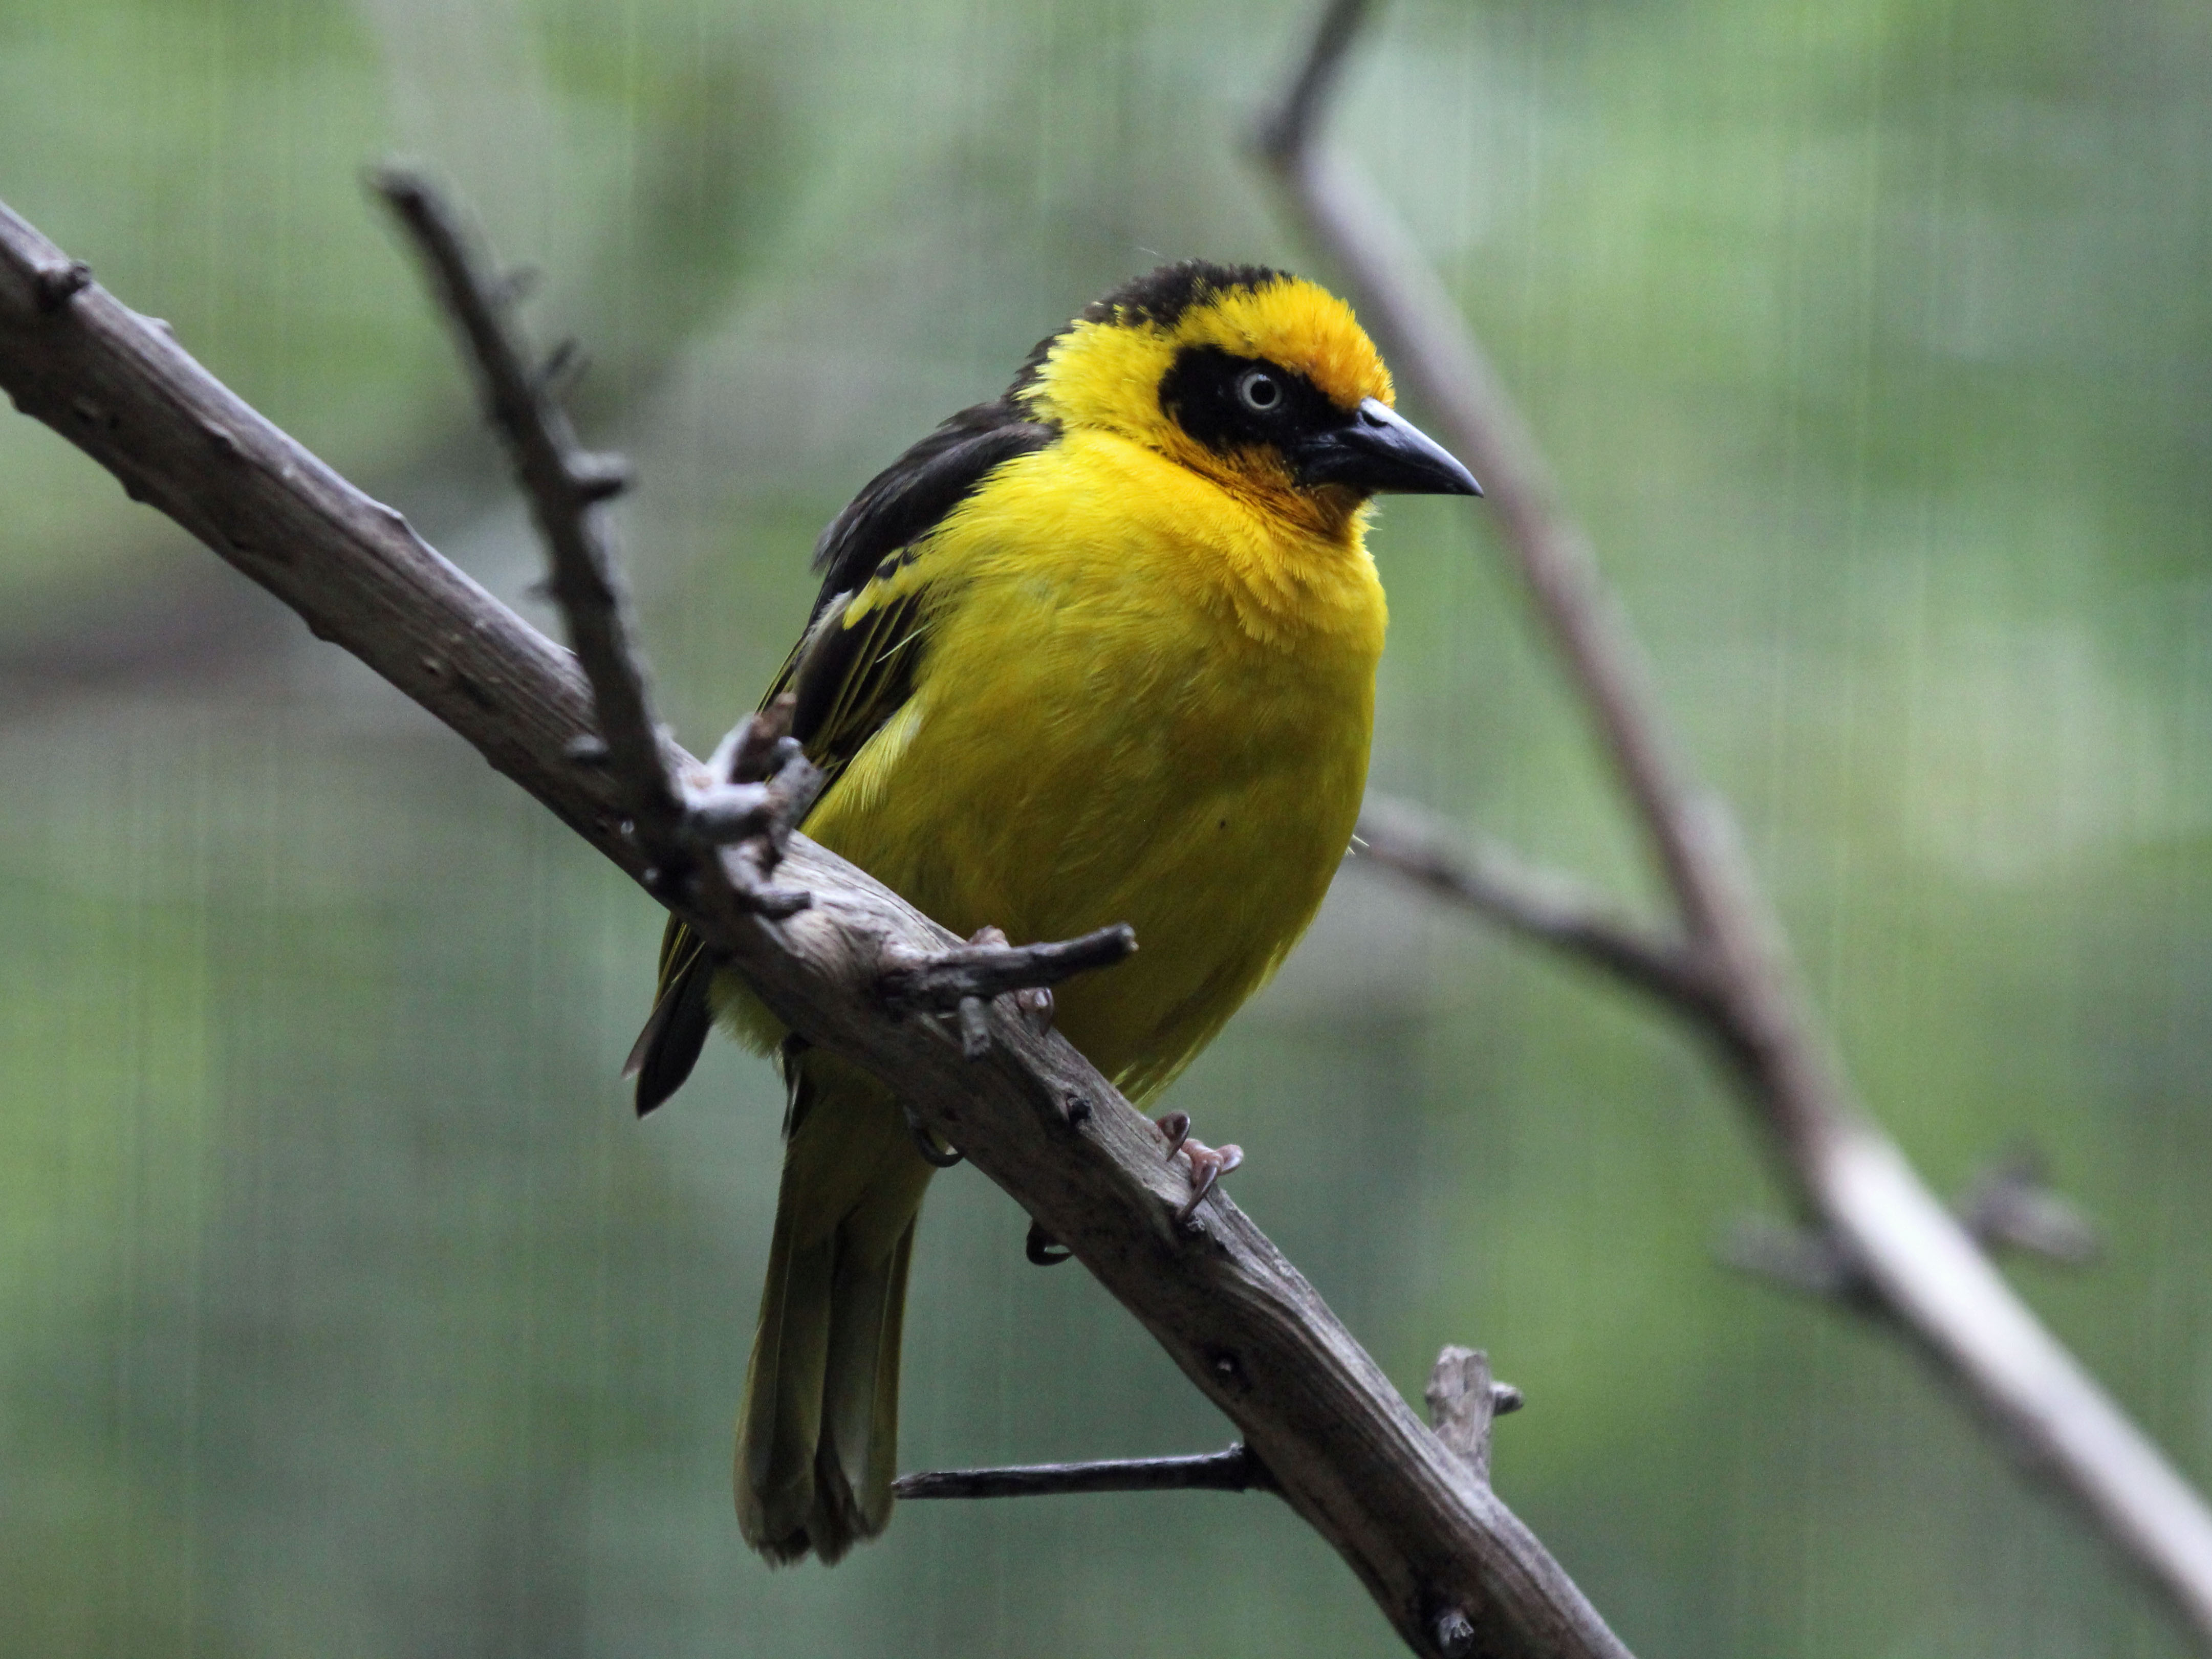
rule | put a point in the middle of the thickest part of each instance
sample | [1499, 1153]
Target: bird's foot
[1032, 1002]
[1208, 1164]
[1042, 1247]
[933, 1152]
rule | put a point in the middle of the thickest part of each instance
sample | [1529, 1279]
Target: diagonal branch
[1441, 1556]
[1404, 301]
[1462, 1400]
[1918, 1263]
[1555, 911]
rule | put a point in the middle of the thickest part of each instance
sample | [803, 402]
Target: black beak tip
[1381, 450]
[1441, 473]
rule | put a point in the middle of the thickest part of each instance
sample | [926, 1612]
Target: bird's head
[1253, 378]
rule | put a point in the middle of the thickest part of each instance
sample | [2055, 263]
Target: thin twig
[565, 485]
[2012, 1206]
[1921, 1266]
[1553, 909]
[1234, 1470]
[1463, 1398]
[1806, 1260]
[2007, 1206]
[678, 828]
[1239, 1320]
[979, 972]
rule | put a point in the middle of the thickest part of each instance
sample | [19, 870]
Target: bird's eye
[1258, 390]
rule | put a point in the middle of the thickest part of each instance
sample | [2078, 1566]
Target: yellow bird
[1102, 651]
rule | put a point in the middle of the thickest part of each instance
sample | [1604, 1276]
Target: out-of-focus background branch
[1888, 1244]
[345, 1307]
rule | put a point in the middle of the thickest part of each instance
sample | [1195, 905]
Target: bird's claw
[975, 1028]
[1042, 1247]
[1208, 1164]
[1035, 1005]
[927, 1145]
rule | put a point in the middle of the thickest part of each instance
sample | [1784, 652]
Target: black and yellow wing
[851, 669]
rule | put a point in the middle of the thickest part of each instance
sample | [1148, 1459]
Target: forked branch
[1894, 1240]
[1463, 1401]
[1451, 1568]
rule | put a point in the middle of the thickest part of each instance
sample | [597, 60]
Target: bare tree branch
[564, 486]
[672, 823]
[985, 971]
[1463, 1399]
[2007, 1207]
[1918, 1263]
[1554, 910]
[1233, 1470]
[1433, 1546]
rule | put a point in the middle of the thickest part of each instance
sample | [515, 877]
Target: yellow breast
[1143, 699]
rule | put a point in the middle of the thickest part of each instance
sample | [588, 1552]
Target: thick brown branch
[1233, 1470]
[1921, 1266]
[1424, 1537]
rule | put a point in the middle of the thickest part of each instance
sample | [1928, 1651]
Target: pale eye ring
[1259, 391]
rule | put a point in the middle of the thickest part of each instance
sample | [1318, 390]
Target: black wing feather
[849, 680]
[912, 496]
[675, 1031]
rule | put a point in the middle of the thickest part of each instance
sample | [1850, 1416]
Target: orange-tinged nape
[1105, 370]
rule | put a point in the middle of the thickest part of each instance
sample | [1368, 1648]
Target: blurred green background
[344, 1309]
